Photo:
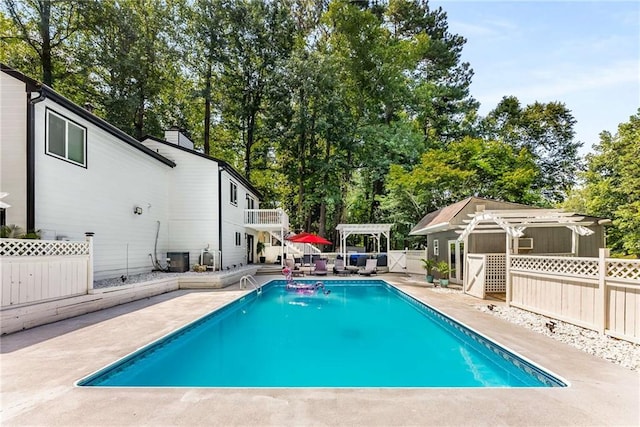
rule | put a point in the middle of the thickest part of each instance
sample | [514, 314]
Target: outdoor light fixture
[137, 210]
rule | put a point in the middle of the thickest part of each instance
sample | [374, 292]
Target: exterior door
[250, 248]
[456, 261]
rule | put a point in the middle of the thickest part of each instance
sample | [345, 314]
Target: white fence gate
[40, 270]
[406, 261]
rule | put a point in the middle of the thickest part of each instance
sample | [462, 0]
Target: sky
[585, 54]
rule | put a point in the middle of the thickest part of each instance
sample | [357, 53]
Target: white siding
[193, 210]
[13, 148]
[71, 200]
[232, 222]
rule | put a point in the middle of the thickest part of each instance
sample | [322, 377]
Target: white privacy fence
[601, 293]
[39, 270]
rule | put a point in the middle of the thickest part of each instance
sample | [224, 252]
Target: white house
[68, 172]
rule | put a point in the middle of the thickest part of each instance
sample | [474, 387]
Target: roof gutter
[431, 229]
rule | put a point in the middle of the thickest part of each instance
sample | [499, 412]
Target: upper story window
[66, 139]
[251, 203]
[234, 194]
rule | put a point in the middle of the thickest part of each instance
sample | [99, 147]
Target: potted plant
[443, 268]
[429, 264]
[260, 250]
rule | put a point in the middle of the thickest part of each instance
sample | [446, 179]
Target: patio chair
[320, 267]
[295, 271]
[339, 268]
[369, 268]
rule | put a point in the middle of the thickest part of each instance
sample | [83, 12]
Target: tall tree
[260, 39]
[205, 48]
[135, 59]
[470, 167]
[47, 28]
[611, 186]
[546, 131]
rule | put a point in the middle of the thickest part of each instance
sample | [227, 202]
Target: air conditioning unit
[525, 243]
[178, 262]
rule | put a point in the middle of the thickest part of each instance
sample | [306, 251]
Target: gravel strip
[147, 277]
[612, 349]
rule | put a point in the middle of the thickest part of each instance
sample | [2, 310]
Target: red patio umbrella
[305, 237]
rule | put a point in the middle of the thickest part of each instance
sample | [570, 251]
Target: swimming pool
[365, 333]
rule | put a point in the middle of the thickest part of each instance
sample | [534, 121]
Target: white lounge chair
[339, 268]
[369, 268]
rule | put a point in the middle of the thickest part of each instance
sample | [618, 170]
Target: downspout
[220, 169]
[31, 157]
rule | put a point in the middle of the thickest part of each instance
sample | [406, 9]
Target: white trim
[515, 221]
[48, 112]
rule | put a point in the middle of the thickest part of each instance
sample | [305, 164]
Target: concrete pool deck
[39, 366]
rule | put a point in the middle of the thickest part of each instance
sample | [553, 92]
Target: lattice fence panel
[561, 265]
[495, 273]
[623, 269]
[33, 248]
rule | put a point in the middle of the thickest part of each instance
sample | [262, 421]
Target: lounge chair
[369, 268]
[295, 271]
[320, 267]
[339, 268]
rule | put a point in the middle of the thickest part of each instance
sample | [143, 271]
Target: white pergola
[373, 230]
[513, 222]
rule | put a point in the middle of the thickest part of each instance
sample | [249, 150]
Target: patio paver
[38, 368]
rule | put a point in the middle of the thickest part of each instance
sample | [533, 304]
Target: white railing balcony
[266, 218]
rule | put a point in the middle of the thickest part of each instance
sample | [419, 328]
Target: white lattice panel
[623, 269]
[33, 248]
[495, 273]
[556, 265]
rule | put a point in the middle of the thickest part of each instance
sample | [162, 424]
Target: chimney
[175, 135]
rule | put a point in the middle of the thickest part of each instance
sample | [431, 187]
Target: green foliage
[11, 231]
[428, 264]
[611, 186]
[443, 268]
[338, 111]
[471, 167]
[545, 131]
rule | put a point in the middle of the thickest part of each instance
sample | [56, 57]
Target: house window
[238, 239]
[66, 139]
[436, 247]
[234, 194]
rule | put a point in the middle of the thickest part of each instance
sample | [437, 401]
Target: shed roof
[441, 219]
[451, 217]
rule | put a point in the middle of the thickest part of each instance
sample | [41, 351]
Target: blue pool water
[363, 334]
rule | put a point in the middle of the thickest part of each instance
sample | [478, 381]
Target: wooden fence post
[601, 299]
[89, 238]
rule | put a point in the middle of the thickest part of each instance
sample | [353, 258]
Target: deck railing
[266, 218]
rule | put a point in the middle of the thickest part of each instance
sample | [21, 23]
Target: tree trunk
[249, 144]
[139, 119]
[47, 62]
[207, 111]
